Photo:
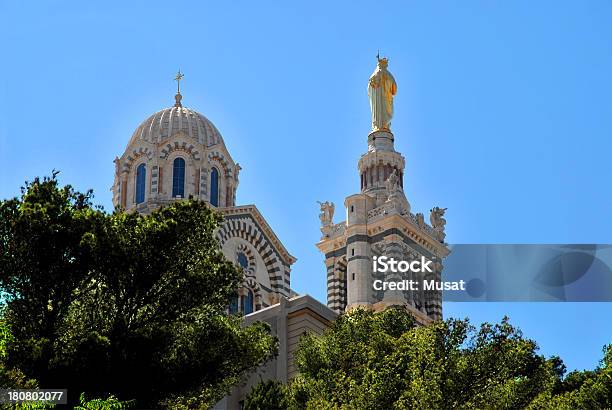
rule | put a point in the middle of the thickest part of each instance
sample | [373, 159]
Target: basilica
[178, 153]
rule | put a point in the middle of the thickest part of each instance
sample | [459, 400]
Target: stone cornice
[385, 157]
[415, 233]
[386, 223]
[258, 217]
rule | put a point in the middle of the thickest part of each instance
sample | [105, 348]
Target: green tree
[127, 304]
[267, 395]
[41, 262]
[582, 389]
[382, 360]
[110, 403]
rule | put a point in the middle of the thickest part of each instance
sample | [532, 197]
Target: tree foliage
[267, 395]
[382, 360]
[110, 403]
[589, 389]
[121, 303]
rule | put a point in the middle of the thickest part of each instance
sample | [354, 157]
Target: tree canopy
[124, 304]
[370, 360]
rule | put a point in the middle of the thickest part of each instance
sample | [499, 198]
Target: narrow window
[233, 306]
[248, 303]
[352, 208]
[353, 276]
[141, 176]
[243, 261]
[178, 178]
[353, 252]
[214, 187]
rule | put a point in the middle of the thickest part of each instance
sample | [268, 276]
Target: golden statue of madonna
[381, 89]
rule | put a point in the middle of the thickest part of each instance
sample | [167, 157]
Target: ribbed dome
[167, 122]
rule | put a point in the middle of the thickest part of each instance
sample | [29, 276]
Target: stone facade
[268, 270]
[289, 320]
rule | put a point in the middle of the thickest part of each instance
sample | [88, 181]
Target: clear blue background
[504, 115]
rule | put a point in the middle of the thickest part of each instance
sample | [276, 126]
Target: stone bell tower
[379, 222]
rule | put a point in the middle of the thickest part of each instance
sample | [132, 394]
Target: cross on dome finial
[178, 78]
[178, 97]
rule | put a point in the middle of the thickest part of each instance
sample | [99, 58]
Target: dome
[165, 123]
[175, 153]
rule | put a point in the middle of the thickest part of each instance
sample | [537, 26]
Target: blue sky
[503, 112]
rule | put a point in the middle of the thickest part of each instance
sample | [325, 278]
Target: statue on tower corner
[438, 223]
[381, 89]
[327, 212]
[326, 216]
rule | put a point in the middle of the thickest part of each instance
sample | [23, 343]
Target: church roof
[165, 123]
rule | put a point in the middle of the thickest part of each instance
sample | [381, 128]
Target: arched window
[248, 303]
[178, 178]
[233, 306]
[141, 177]
[243, 260]
[214, 187]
